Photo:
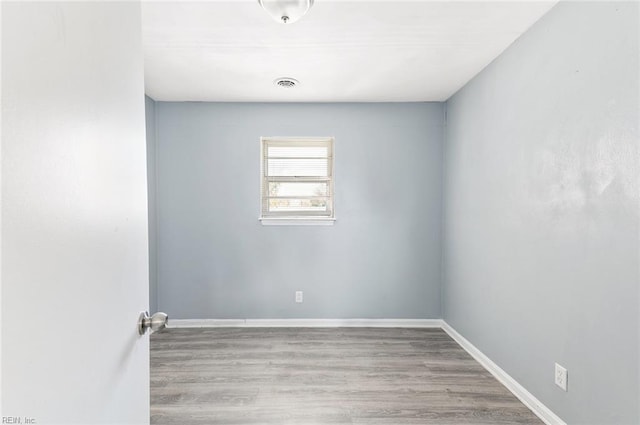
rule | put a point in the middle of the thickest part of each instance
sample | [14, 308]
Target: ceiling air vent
[287, 83]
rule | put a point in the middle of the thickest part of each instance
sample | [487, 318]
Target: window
[297, 180]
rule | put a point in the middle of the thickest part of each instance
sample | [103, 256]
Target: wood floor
[323, 376]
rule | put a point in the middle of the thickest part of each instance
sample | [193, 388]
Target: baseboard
[205, 323]
[528, 399]
[305, 323]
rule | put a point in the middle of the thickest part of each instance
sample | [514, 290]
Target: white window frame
[307, 218]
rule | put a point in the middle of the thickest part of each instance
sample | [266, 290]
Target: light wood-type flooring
[323, 376]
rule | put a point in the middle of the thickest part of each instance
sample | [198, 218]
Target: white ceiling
[341, 51]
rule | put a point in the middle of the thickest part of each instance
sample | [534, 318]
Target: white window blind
[297, 177]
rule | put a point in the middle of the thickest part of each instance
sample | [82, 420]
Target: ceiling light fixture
[286, 11]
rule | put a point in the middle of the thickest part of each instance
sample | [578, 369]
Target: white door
[74, 214]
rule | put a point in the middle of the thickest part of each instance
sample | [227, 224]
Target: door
[74, 214]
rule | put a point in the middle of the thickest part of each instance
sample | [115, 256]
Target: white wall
[542, 211]
[74, 236]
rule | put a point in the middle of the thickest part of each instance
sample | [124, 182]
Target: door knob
[156, 322]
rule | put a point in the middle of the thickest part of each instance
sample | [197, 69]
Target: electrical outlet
[561, 377]
[298, 296]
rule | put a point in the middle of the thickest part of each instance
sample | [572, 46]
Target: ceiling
[341, 51]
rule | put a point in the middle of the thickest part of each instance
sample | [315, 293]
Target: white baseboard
[528, 399]
[205, 323]
[306, 323]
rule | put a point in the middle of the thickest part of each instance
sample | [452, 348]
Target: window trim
[303, 219]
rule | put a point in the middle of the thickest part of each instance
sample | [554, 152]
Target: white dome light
[286, 11]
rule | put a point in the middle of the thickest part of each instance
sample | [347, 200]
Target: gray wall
[380, 260]
[150, 115]
[541, 211]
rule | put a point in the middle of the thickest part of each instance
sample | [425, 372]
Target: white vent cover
[285, 82]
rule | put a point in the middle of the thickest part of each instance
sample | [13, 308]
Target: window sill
[302, 221]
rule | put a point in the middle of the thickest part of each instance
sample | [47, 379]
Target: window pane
[293, 189]
[297, 167]
[296, 177]
[298, 151]
[297, 205]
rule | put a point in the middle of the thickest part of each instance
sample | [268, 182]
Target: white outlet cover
[561, 377]
[298, 296]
